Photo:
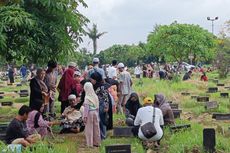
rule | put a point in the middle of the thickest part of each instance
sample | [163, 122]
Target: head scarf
[90, 95]
[37, 104]
[133, 106]
[162, 103]
[98, 77]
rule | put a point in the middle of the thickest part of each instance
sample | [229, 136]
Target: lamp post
[212, 19]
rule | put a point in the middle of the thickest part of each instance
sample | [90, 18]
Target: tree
[39, 30]
[176, 42]
[94, 35]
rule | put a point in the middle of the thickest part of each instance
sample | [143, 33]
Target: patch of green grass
[21, 100]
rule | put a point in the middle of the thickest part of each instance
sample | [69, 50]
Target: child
[91, 117]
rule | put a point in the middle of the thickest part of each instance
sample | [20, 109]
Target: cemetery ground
[197, 114]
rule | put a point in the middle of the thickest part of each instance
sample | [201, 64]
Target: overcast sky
[130, 21]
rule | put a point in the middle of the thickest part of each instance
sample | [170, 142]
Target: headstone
[212, 89]
[176, 113]
[177, 128]
[1, 97]
[7, 103]
[194, 96]
[185, 93]
[174, 106]
[1, 93]
[19, 85]
[224, 94]
[216, 81]
[211, 105]
[202, 99]
[16, 91]
[3, 128]
[123, 131]
[118, 149]
[227, 88]
[220, 84]
[209, 140]
[22, 91]
[219, 116]
[9, 84]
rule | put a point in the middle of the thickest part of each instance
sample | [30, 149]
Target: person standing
[38, 88]
[91, 116]
[51, 81]
[137, 71]
[11, 74]
[23, 72]
[96, 67]
[67, 86]
[125, 83]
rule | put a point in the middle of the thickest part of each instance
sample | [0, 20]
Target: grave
[9, 84]
[194, 96]
[3, 128]
[212, 89]
[227, 88]
[219, 116]
[209, 140]
[211, 105]
[1, 97]
[123, 131]
[224, 94]
[220, 84]
[118, 148]
[24, 93]
[1, 93]
[177, 128]
[176, 113]
[174, 106]
[215, 80]
[7, 103]
[185, 93]
[202, 99]
[19, 85]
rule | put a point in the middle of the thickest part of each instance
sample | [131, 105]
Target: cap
[148, 100]
[120, 65]
[96, 60]
[73, 64]
[77, 73]
[72, 96]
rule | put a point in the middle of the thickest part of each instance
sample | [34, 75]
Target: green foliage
[176, 41]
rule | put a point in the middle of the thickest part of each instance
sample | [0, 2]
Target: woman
[91, 117]
[35, 122]
[160, 102]
[204, 77]
[38, 89]
[132, 105]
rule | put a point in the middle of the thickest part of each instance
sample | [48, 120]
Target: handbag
[148, 129]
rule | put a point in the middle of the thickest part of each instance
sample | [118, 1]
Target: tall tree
[176, 42]
[93, 34]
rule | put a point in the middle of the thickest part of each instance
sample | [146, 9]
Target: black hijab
[133, 106]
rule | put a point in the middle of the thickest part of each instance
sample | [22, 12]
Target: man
[138, 71]
[67, 85]
[97, 68]
[17, 132]
[145, 115]
[187, 75]
[23, 72]
[112, 71]
[51, 81]
[11, 74]
[125, 83]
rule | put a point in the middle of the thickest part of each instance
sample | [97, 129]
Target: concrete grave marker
[194, 96]
[123, 131]
[220, 84]
[19, 85]
[209, 140]
[3, 128]
[24, 93]
[7, 103]
[212, 89]
[202, 99]
[1, 97]
[118, 148]
[219, 116]
[185, 93]
[1, 93]
[224, 94]
[176, 113]
[216, 81]
[174, 106]
[211, 105]
[177, 128]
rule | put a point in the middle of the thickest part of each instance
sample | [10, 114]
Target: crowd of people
[88, 100]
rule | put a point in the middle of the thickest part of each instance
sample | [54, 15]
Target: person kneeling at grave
[160, 102]
[132, 106]
[35, 121]
[146, 115]
[72, 121]
[17, 132]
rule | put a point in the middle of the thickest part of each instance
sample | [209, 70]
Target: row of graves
[209, 134]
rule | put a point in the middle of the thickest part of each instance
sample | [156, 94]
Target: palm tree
[94, 35]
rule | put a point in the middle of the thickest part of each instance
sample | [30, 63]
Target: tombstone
[174, 106]
[1, 97]
[202, 99]
[227, 88]
[220, 84]
[24, 91]
[123, 131]
[7, 103]
[9, 84]
[209, 140]
[194, 96]
[15, 91]
[215, 80]
[224, 94]
[3, 128]
[1, 93]
[176, 113]
[19, 85]
[118, 148]
[185, 93]
[211, 105]
[219, 116]
[177, 128]
[212, 89]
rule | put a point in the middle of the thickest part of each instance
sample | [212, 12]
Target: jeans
[102, 130]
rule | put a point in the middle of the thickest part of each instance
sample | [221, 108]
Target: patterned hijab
[90, 95]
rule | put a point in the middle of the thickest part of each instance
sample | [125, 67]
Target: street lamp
[212, 19]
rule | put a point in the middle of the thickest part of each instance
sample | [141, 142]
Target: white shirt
[112, 72]
[137, 70]
[124, 80]
[145, 115]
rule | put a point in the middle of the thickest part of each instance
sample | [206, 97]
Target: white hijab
[90, 95]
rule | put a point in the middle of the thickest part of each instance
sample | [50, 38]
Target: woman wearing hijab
[160, 102]
[91, 117]
[38, 89]
[133, 104]
[35, 122]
